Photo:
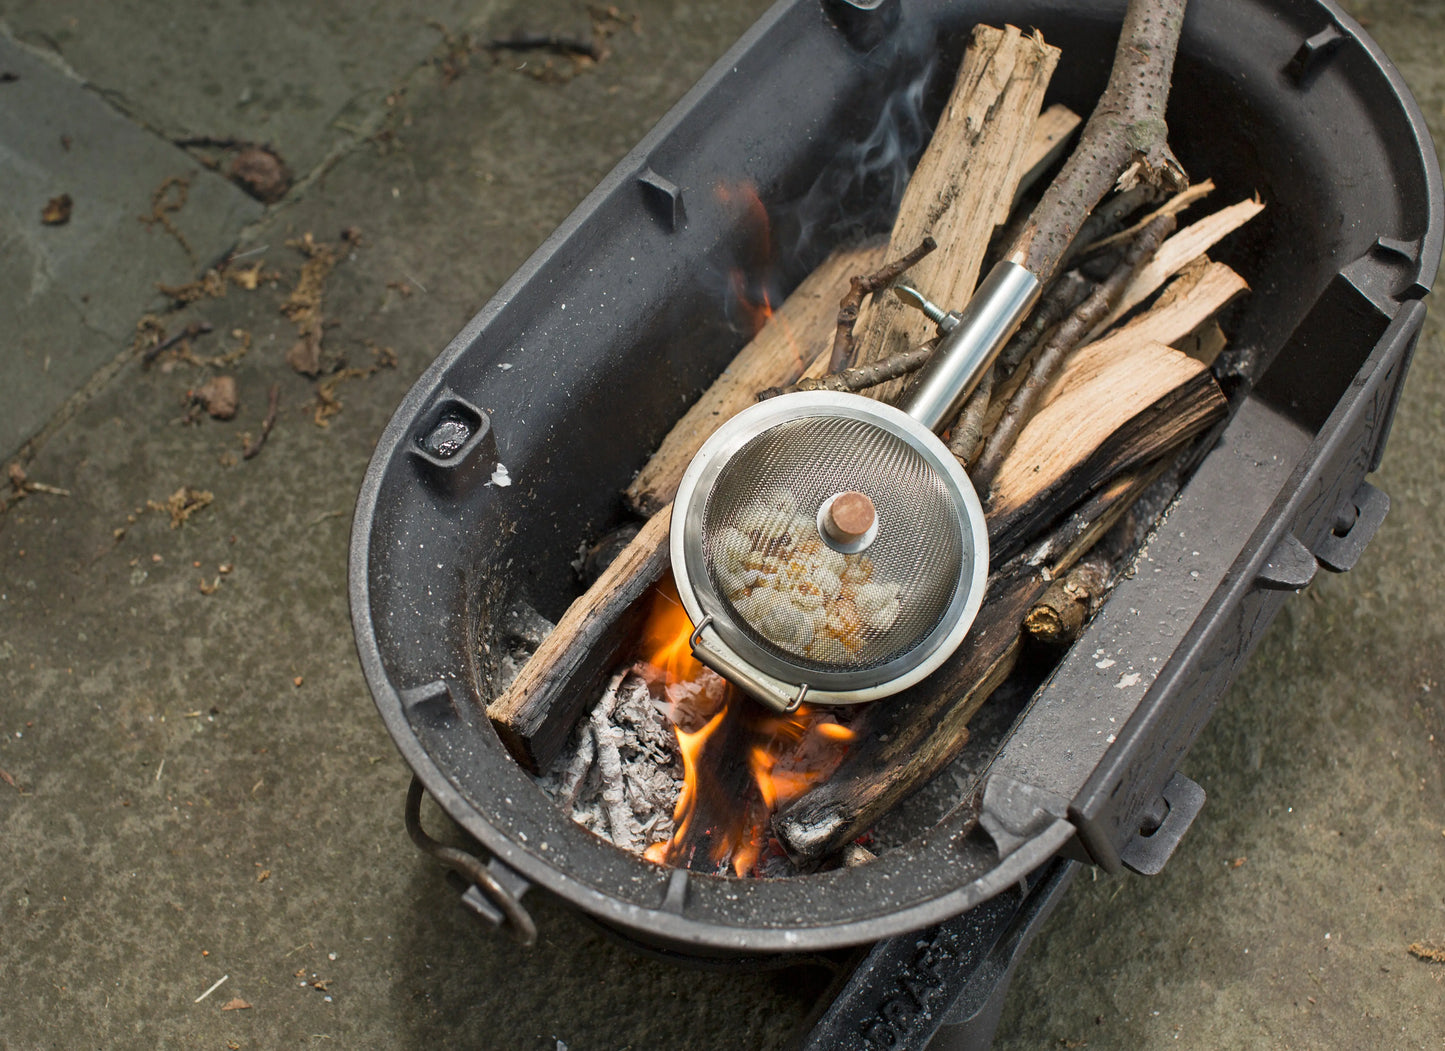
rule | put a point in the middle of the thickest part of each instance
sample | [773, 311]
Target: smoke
[858, 190]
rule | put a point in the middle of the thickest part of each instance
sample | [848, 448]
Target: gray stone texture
[73, 290]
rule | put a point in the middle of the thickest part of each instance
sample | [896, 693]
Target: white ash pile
[621, 773]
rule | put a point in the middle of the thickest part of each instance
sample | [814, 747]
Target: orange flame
[749, 284]
[782, 755]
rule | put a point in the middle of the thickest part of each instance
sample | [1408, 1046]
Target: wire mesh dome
[795, 594]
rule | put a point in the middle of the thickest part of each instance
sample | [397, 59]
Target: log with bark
[903, 743]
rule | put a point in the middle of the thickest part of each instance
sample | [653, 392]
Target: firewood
[538, 710]
[860, 377]
[796, 334]
[1205, 343]
[1050, 358]
[904, 741]
[1193, 297]
[1178, 252]
[964, 184]
[1124, 143]
[858, 288]
[1093, 244]
[1142, 403]
[1058, 617]
[1050, 139]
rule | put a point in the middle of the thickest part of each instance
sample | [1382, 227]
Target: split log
[1092, 244]
[1050, 135]
[538, 710]
[905, 742]
[1205, 343]
[1190, 301]
[793, 337]
[1142, 403]
[1178, 252]
[1064, 339]
[964, 184]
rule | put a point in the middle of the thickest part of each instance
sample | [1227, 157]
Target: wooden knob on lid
[849, 517]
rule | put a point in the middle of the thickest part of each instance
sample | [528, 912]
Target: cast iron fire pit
[1286, 98]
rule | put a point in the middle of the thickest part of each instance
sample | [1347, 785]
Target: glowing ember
[741, 762]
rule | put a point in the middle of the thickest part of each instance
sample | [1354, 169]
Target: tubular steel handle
[968, 349]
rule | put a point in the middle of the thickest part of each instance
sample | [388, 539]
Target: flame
[665, 636]
[691, 745]
[749, 285]
[741, 762]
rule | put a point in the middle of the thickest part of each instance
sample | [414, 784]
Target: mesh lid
[787, 589]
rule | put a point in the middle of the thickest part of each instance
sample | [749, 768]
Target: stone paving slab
[73, 291]
[306, 78]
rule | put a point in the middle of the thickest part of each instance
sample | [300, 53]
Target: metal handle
[984, 326]
[756, 685]
[471, 869]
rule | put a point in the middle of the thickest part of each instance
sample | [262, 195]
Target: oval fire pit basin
[1286, 98]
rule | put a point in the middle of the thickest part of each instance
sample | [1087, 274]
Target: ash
[621, 773]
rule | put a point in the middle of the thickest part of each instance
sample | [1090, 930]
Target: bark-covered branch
[860, 378]
[1123, 144]
[852, 302]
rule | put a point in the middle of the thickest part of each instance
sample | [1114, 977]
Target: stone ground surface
[201, 785]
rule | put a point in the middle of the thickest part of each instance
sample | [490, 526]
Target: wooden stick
[1176, 204]
[1123, 144]
[861, 286]
[966, 436]
[1058, 618]
[537, 712]
[1051, 137]
[793, 337]
[963, 185]
[860, 378]
[1066, 337]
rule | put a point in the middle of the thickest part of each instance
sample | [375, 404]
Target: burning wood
[1076, 420]
[674, 764]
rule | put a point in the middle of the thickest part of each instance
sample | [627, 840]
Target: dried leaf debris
[327, 404]
[182, 504]
[260, 171]
[170, 197]
[57, 210]
[303, 305]
[1427, 951]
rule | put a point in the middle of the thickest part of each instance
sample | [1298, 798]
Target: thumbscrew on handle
[946, 320]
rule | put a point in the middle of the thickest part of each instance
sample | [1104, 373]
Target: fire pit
[510, 451]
